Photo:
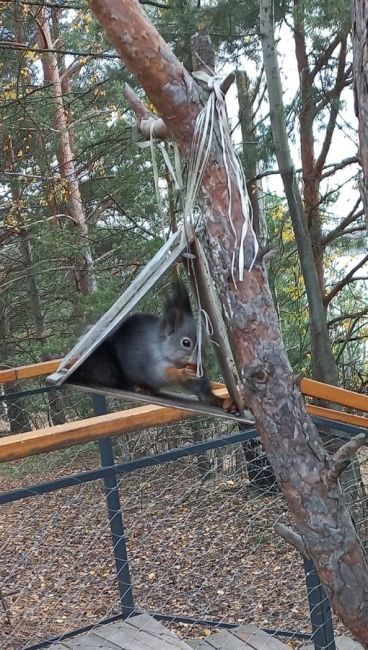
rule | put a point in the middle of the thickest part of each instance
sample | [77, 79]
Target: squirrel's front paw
[190, 371]
[229, 405]
[181, 375]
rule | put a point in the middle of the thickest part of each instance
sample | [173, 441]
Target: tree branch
[72, 70]
[334, 111]
[23, 47]
[342, 458]
[350, 218]
[346, 280]
[147, 121]
[293, 538]
[325, 56]
[357, 314]
[334, 167]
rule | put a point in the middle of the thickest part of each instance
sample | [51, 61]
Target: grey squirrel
[148, 353]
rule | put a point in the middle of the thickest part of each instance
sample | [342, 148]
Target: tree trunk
[24, 242]
[260, 472]
[84, 269]
[360, 68]
[323, 363]
[307, 475]
[250, 155]
[15, 412]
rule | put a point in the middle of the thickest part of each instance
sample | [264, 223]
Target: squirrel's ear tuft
[176, 308]
[179, 298]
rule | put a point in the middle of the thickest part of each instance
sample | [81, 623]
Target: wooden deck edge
[338, 416]
[22, 445]
[27, 372]
[341, 396]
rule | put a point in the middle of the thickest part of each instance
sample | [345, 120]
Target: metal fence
[164, 521]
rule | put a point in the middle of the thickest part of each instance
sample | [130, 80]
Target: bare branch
[147, 122]
[14, 45]
[334, 167]
[325, 56]
[350, 218]
[346, 280]
[72, 70]
[341, 459]
[334, 111]
[338, 319]
[293, 538]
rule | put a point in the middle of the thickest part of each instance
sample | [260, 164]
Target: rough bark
[84, 270]
[290, 439]
[323, 363]
[360, 69]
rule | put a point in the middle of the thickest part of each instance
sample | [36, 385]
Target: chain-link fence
[168, 520]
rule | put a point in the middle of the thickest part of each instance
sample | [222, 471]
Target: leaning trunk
[360, 68]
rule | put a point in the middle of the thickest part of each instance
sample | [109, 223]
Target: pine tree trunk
[260, 472]
[323, 363]
[16, 410]
[360, 68]
[84, 269]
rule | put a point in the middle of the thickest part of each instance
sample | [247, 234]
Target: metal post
[115, 517]
[320, 610]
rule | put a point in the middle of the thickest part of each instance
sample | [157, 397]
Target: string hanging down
[215, 109]
[213, 112]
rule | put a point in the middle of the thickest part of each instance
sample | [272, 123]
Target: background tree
[360, 41]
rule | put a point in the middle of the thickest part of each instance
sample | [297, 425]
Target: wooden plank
[338, 416]
[148, 623]
[257, 639]
[128, 637]
[308, 387]
[334, 394]
[21, 445]
[39, 441]
[61, 436]
[26, 372]
[172, 400]
[201, 282]
[224, 640]
[89, 641]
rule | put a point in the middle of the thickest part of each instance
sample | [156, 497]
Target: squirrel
[148, 353]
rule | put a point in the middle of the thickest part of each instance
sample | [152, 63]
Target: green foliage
[115, 176]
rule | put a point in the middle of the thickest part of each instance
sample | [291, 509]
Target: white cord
[201, 146]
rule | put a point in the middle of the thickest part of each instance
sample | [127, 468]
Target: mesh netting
[199, 534]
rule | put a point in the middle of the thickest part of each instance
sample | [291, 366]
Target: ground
[206, 550]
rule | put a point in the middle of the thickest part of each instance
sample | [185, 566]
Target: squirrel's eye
[186, 343]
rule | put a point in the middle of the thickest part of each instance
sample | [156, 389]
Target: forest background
[78, 208]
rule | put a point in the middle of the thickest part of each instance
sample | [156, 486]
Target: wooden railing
[21, 445]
